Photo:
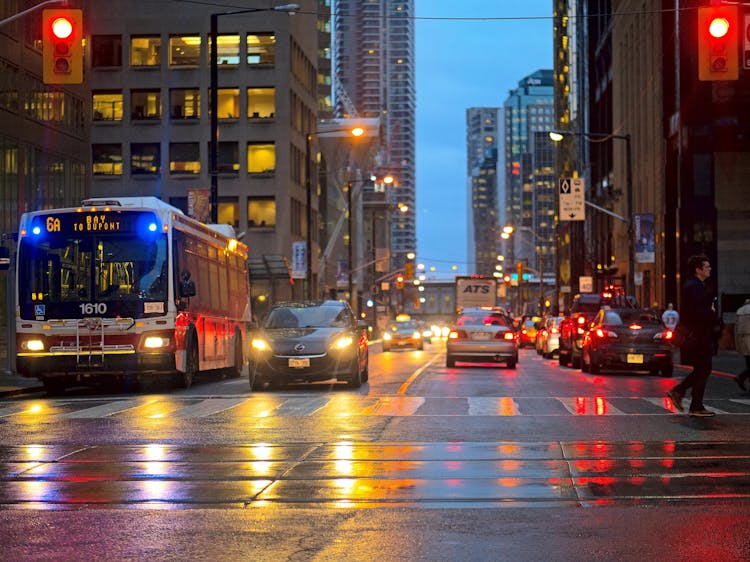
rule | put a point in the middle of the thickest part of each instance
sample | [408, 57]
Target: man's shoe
[676, 397]
[701, 413]
[740, 382]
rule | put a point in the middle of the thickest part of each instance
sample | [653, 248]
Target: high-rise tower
[375, 77]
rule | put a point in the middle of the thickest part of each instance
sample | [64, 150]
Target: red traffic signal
[718, 43]
[62, 46]
[399, 281]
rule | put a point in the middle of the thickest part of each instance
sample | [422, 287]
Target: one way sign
[572, 199]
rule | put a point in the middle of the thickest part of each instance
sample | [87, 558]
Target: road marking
[413, 377]
[103, 410]
[208, 407]
[302, 406]
[394, 406]
[590, 406]
[493, 406]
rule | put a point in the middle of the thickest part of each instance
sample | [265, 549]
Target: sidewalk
[726, 364]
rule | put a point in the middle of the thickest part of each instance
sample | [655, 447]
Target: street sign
[585, 284]
[572, 199]
[299, 260]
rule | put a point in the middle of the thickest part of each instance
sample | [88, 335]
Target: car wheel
[563, 359]
[386, 348]
[511, 364]
[575, 362]
[667, 371]
[366, 372]
[421, 347]
[449, 361]
[596, 368]
[585, 365]
[355, 377]
[54, 386]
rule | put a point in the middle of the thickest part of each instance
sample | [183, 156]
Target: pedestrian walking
[670, 317]
[742, 340]
[699, 317]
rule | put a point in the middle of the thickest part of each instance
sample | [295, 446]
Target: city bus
[128, 287]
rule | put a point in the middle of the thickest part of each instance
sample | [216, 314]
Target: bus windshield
[92, 268]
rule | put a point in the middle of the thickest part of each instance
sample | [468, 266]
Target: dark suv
[582, 312]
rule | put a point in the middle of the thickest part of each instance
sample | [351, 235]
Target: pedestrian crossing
[343, 404]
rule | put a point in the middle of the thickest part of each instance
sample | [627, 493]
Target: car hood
[303, 341]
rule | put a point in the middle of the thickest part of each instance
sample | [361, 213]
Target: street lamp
[557, 136]
[355, 132]
[214, 97]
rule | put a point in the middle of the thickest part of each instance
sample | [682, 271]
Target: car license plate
[635, 358]
[481, 335]
[299, 363]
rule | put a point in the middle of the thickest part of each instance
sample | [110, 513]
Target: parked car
[482, 335]
[582, 312]
[627, 339]
[309, 342]
[403, 334]
[548, 336]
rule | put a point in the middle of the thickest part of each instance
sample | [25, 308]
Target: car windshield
[308, 317]
[628, 317]
[482, 319]
[403, 327]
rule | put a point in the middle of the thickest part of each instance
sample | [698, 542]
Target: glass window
[184, 158]
[185, 50]
[145, 51]
[261, 157]
[228, 158]
[145, 104]
[106, 159]
[261, 212]
[229, 211]
[261, 48]
[229, 49]
[145, 158]
[184, 103]
[106, 51]
[261, 103]
[228, 103]
[107, 106]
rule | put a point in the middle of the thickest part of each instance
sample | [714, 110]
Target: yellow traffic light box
[62, 46]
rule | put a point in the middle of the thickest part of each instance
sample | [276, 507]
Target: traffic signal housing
[409, 271]
[62, 46]
[718, 43]
[399, 281]
[519, 270]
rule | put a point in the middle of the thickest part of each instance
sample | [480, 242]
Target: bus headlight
[33, 345]
[155, 342]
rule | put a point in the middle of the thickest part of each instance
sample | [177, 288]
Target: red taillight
[599, 333]
[635, 327]
[554, 331]
[509, 336]
[668, 334]
[456, 335]
[523, 331]
[581, 320]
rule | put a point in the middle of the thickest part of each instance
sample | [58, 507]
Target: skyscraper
[375, 77]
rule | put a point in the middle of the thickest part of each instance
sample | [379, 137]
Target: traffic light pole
[30, 10]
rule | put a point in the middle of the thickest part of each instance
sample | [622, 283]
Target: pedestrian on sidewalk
[670, 317]
[699, 317]
[742, 340]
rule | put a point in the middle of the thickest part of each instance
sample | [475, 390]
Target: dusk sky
[464, 63]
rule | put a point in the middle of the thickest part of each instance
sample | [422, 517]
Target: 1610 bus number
[93, 308]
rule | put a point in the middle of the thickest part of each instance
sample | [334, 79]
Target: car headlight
[342, 342]
[416, 335]
[260, 344]
[386, 336]
[155, 342]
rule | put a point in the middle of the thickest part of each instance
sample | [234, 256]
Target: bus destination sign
[92, 222]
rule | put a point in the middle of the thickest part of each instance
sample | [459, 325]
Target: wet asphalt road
[424, 462]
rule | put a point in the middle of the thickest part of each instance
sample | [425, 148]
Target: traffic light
[718, 43]
[506, 280]
[519, 270]
[409, 271]
[62, 46]
[399, 281]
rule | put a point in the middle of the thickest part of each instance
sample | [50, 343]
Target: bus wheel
[54, 386]
[191, 366]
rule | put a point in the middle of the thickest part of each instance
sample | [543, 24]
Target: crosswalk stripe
[302, 406]
[590, 406]
[493, 406]
[394, 406]
[743, 401]
[208, 407]
[103, 410]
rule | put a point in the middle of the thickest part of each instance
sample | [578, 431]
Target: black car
[309, 341]
[627, 339]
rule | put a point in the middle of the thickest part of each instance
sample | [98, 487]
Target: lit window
[184, 158]
[228, 103]
[184, 103]
[107, 106]
[229, 211]
[145, 51]
[229, 49]
[261, 103]
[106, 159]
[185, 50]
[145, 104]
[261, 158]
[261, 212]
[261, 48]
[145, 158]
